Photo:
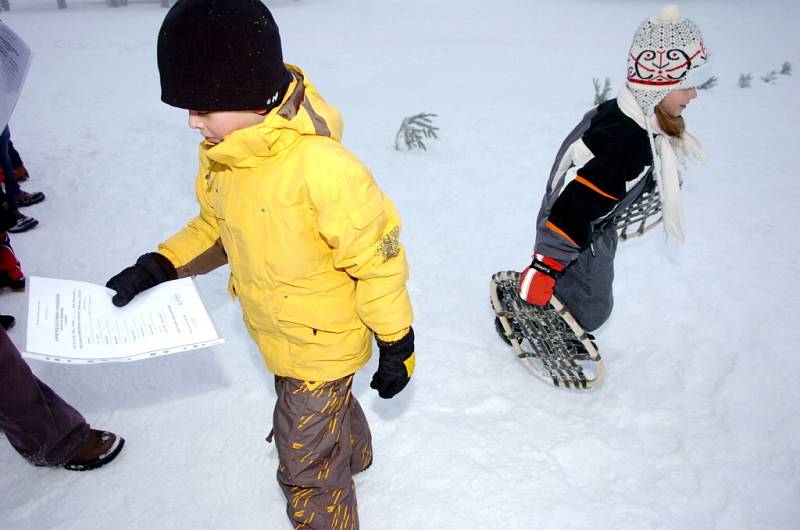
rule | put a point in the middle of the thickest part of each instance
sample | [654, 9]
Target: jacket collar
[302, 112]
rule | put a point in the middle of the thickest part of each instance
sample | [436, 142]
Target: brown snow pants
[323, 439]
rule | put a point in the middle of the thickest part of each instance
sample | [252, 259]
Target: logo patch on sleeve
[389, 245]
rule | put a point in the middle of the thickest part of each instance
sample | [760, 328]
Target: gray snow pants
[323, 439]
[586, 286]
[40, 425]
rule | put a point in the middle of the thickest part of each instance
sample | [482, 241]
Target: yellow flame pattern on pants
[323, 439]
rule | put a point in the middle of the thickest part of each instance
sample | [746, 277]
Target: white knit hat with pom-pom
[667, 53]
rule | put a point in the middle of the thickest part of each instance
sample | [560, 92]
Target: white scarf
[668, 152]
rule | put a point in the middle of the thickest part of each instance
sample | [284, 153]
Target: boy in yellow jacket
[311, 241]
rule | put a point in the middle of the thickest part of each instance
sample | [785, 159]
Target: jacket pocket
[317, 314]
[312, 320]
[232, 287]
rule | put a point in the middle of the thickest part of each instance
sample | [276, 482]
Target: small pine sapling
[601, 95]
[744, 80]
[712, 82]
[770, 77]
[786, 68]
[414, 129]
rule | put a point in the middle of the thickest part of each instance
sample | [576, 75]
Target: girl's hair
[672, 125]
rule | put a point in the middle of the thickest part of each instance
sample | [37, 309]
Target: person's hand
[537, 281]
[150, 270]
[395, 366]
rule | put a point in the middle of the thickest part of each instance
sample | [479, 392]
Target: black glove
[395, 366]
[150, 270]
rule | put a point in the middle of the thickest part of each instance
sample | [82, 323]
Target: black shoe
[502, 331]
[7, 321]
[29, 199]
[15, 285]
[24, 223]
[100, 448]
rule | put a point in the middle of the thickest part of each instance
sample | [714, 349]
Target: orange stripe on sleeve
[560, 232]
[594, 188]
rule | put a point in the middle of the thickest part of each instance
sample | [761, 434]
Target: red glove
[537, 281]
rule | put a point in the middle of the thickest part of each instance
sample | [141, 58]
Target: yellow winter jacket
[311, 240]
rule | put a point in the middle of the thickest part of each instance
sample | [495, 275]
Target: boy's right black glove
[150, 270]
[395, 366]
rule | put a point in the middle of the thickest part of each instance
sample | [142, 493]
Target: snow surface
[696, 425]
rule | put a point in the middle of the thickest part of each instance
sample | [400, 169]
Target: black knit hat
[218, 55]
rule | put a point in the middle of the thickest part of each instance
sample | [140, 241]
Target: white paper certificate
[75, 322]
[15, 59]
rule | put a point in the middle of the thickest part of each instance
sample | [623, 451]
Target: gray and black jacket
[602, 167]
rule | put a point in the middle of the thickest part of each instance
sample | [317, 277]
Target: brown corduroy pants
[323, 439]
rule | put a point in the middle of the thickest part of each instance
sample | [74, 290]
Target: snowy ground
[696, 425]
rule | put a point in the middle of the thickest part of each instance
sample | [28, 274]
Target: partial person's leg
[312, 428]
[14, 195]
[16, 162]
[9, 179]
[10, 270]
[586, 287]
[40, 425]
[360, 438]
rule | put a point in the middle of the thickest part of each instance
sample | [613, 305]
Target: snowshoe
[644, 214]
[548, 340]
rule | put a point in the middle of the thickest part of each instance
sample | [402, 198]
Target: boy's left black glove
[395, 366]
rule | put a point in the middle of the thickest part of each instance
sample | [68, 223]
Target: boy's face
[215, 126]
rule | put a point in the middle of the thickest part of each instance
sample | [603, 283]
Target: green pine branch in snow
[414, 129]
